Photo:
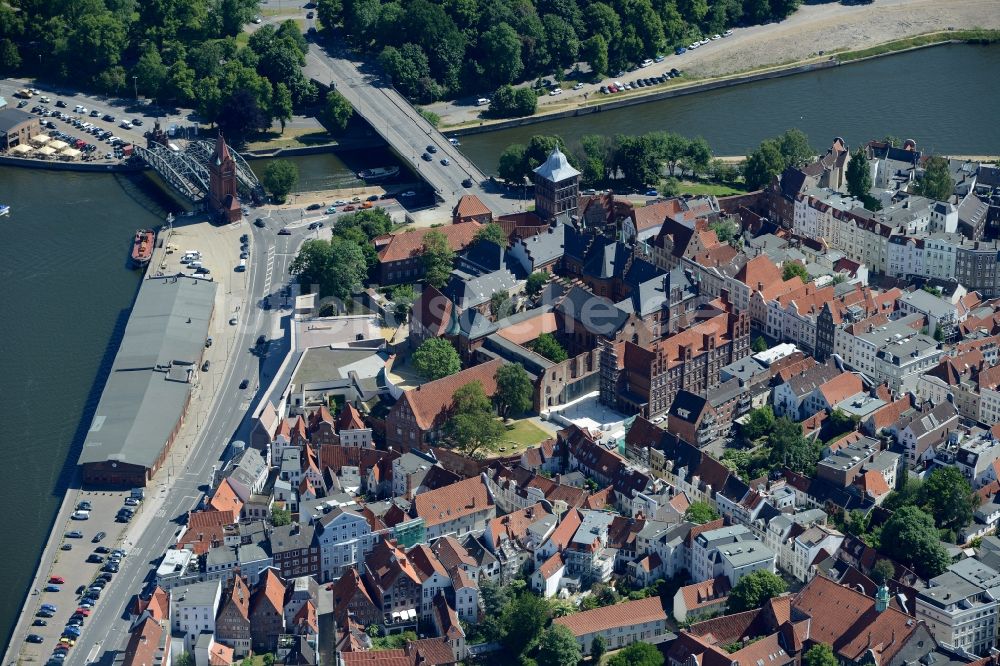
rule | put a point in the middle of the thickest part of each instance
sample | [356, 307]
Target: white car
[408, 193]
[339, 202]
[715, 37]
[125, 124]
[578, 86]
[703, 42]
[555, 91]
[646, 63]
[727, 33]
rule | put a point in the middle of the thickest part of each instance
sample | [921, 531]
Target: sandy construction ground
[825, 27]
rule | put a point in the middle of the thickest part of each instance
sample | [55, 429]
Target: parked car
[426, 157]
[349, 207]
[467, 182]
[680, 50]
[74, 535]
[39, 623]
[35, 638]
[53, 588]
[445, 161]
[94, 558]
[57, 580]
[314, 206]
[258, 223]
[66, 546]
[98, 537]
[432, 149]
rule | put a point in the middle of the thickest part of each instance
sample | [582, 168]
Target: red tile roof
[204, 529]
[841, 387]
[226, 499]
[430, 401]
[567, 527]
[624, 614]
[551, 566]
[350, 419]
[270, 591]
[143, 644]
[471, 206]
[847, 620]
[514, 526]
[220, 655]
[411, 243]
[452, 502]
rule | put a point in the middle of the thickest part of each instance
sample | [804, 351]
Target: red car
[348, 208]
[57, 580]
[83, 611]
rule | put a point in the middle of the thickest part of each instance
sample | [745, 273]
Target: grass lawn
[697, 188]
[523, 435]
[292, 138]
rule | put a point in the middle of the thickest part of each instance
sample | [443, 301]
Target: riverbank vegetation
[970, 36]
[433, 51]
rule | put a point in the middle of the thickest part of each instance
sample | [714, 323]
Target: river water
[63, 250]
[944, 97]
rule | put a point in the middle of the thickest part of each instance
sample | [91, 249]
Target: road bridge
[404, 129]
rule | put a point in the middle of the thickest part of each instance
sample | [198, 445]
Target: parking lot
[72, 567]
[85, 129]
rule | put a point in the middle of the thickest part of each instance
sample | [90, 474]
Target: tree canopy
[637, 654]
[937, 182]
[775, 155]
[279, 178]
[436, 358]
[492, 232]
[558, 647]
[700, 513]
[820, 654]
[336, 266]
[910, 537]
[438, 258]
[754, 589]
[473, 426]
[337, 112]
[859, 174]
[514, 390]
[547, 345]
[794, 269]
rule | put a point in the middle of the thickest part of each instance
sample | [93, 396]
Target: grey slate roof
[547, 246]
[12, 117]
[141, 405]
[467, 291]
[556, 168]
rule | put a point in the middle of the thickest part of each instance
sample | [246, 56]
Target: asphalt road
[406, 131]
[105, 631]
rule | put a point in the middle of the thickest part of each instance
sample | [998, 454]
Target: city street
[216, 417]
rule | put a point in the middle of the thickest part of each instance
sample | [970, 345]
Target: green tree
[883, 572]
[436, 358]
[725, 229]
[281, 105]
[701, 513]
[558, 647]
[637, 654]
[820, 654]
[500, 304]
[840, 422]
[524, 619]
[906, 494]
[910, 537]
[511, 164]
[438, 258]
[792, 269]
[402, 298]
[494, 597]
[511, 102]
[267, 659]
[758, 345]
[859, 174]
[473, 425]
[794, 147]
[240, 115]
[337, 112]
[280, 516]
[754, 589]
[535, 282]
[150, 72]
[697, 156]
[185, 659]
[549, 347]
[763, 164]
[562, 36]
[407, 66]
[330, 13]
[937, 182]
[491, 232]
[790, 448]
[502, 54]
[595, 52]
[946, 495]
[598, 646]
[759, 422]
[279, 178]
[336, 266]
[514, 390]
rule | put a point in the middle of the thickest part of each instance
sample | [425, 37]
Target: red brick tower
[222, 198]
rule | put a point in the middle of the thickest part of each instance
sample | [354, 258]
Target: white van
[243, 265]
[482, 101]
[81, 515]
[194, 264]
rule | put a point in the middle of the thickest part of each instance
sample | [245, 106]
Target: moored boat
[4, 210]
[378, 173]
[142, 247]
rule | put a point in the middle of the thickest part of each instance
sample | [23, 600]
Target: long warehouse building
[148, 390]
